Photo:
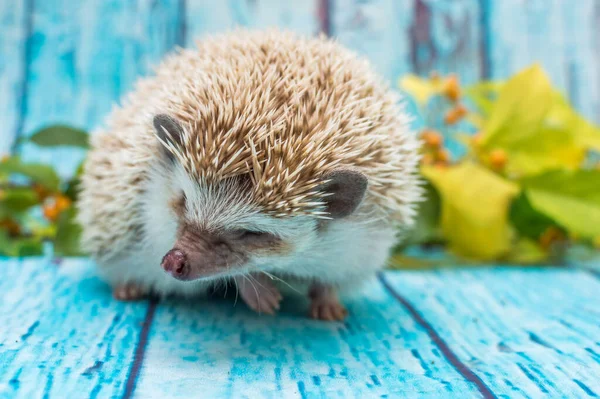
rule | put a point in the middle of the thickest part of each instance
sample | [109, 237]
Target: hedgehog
[260, 160]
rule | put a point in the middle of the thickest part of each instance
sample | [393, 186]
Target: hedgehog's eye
[179, 204]
[243, 234]
[252, 239]
[253, 235]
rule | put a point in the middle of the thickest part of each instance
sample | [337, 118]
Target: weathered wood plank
[496, 332]
[298, 16]
[13, 56]
[582, 55]
[62, 334]
[413, 36]
[562, 36]
[446, 37]
[85, 58]
[52, 79]
[125, 43]
[416, 36]
[213, 349]
[377, 29]
[526, 333]
[208, 17]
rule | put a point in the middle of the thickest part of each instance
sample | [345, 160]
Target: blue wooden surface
[499, 332]
[470, 333]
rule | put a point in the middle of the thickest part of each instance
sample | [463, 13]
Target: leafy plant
[527, 184]
[36, 205]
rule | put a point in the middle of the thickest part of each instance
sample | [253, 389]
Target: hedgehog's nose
[175, 263]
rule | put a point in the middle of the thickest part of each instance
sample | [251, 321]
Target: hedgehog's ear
[169, 131]
[346, 189]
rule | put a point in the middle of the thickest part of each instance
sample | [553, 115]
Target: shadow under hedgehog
[259, 158]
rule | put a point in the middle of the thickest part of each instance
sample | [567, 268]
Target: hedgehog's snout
[176, 264]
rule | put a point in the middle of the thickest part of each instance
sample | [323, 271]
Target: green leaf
[67, 234]
[79, 170]
[475, 205]
[527, 251]
[427, 223]
[527, 220]
[484, 94]
[519, 125]
[60, 135]
[522, 105]
[29, 246]
[18, 199]
[39, 173]
[72, 189]
[563, 116]
[549, 148]
[571, 198]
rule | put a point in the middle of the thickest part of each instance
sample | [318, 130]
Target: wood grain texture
[216, 350]
[85, 56]
[378, 30]
[526, 333]
[414, 36]
[207, 17]
[62, 333]
[561, 36]
[14, 26]
[446, 37]
[439, 334]
[417, 36]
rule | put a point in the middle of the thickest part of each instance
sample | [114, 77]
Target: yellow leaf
[520, 109]
[475, 120]
[572, 199]
[483, 93]
[530, 125]
[526, 251]
[475, 205]
[563, 116]
[549, 148]
[420, 89]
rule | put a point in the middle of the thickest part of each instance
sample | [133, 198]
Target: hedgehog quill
[260, 159]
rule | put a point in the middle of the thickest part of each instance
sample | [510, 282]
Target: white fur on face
[346, 253]
[222, 207]
[226, 207]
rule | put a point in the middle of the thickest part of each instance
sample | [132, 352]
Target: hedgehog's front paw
[324, 303]
[258, 293]
[129, 292]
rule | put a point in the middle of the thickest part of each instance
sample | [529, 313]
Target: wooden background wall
[68, 61]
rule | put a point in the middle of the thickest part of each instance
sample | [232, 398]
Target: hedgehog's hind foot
[258, 293]
[325, 304]
[129, 292]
